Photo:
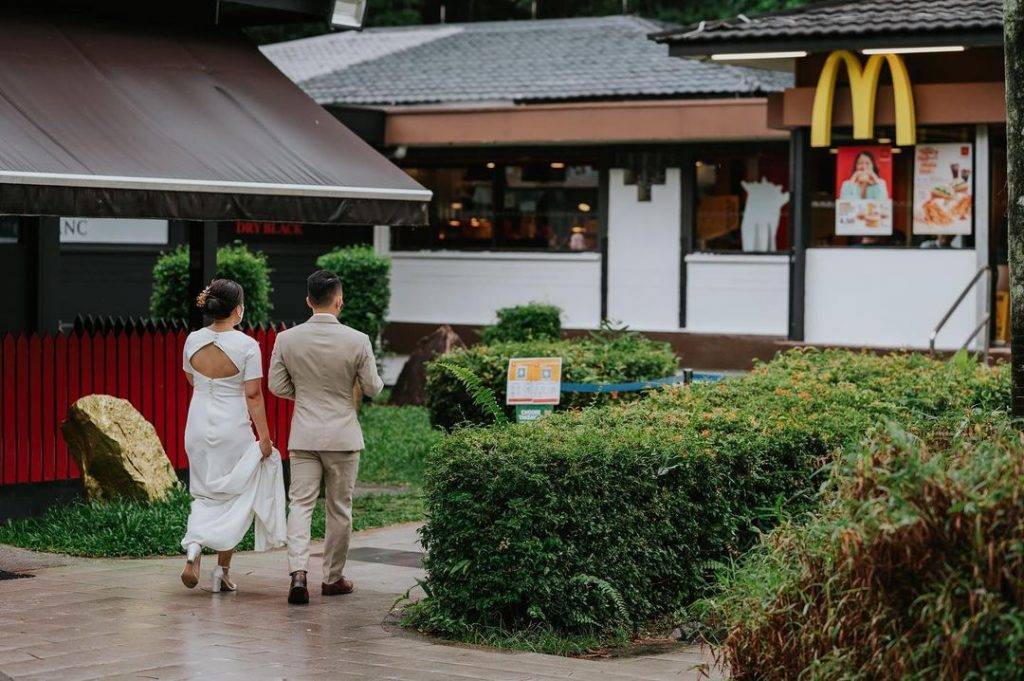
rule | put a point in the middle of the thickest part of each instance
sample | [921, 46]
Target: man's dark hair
[322, 286]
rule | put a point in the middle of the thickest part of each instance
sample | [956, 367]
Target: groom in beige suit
[318, 364]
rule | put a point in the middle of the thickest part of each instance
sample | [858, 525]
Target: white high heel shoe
[190, 574]
[221, 581]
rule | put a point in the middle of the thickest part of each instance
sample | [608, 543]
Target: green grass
[397, 442]
[133, 529]
[544, 640]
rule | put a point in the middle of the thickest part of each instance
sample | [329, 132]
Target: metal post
[687, 224]
[799, 229]
[202, 264]
[45, 249]
[602, 233]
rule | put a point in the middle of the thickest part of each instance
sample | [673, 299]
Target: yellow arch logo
[864, 91]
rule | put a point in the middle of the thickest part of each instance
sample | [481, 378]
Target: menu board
[864, 191]
[534, 380]
[943, 188]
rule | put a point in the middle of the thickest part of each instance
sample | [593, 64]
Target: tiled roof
[520, 61]
[848, 18]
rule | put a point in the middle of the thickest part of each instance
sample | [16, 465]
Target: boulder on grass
[117, 450]
[411, 387]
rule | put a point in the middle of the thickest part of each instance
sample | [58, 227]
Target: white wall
[887, 297]
[737, 293]
[643, 253]
[466, 288]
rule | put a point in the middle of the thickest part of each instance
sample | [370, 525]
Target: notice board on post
[534, 385]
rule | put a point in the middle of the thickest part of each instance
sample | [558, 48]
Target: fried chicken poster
[943, 189]
[864, 191]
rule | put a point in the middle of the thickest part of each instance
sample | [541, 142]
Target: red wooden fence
[41, 376]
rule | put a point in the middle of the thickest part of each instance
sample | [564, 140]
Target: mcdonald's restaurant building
[897, 174]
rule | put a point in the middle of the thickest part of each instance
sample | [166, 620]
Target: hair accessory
[201, 298]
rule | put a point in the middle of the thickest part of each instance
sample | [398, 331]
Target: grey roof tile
[838, 18]
[522, 61]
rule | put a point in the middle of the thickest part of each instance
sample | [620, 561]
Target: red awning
[139, 121]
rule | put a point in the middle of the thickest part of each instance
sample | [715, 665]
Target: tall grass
[912, 568]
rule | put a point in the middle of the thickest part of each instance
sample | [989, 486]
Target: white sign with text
[112, 231]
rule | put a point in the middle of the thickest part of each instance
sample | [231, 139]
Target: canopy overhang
[139, 121]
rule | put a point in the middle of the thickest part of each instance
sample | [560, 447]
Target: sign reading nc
[77, 230]
[863, 91]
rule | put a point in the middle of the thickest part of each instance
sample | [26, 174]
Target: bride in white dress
[233, 477]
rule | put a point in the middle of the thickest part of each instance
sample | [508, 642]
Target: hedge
[534, 321]
[912, 568]
[605, 519]
[366, 283]
[169, 299]
[621, 357]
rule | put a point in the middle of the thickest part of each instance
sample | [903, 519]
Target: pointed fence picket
[140, 361]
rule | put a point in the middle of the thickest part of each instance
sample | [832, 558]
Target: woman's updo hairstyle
[220, 298]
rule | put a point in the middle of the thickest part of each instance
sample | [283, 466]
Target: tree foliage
[169, 299]
[366, 285]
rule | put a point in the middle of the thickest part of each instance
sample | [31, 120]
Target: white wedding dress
[230, 482]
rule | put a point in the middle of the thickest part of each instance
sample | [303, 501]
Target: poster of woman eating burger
[943, 190]
[864, 191]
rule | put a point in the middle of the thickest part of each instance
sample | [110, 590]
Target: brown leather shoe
[298, 594]
[339, 588]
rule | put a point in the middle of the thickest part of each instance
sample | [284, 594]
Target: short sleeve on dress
[186, 353]
[253, 362]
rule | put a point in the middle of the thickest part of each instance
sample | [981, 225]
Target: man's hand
[266, 448]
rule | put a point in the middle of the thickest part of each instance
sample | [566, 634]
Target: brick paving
[132, 619]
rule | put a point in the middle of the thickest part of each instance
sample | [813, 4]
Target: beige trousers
[338, 471]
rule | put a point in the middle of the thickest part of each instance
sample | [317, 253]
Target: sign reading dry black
[266, 232]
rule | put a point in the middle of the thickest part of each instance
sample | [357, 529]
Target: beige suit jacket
[317, 364]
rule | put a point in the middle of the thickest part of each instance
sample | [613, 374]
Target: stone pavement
[132, 619]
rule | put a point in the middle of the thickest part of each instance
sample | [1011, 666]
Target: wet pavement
[132, 619]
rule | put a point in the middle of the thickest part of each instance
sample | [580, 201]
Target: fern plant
[608, 592]
[482, 396]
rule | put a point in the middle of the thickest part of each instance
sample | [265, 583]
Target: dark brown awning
[136, 121]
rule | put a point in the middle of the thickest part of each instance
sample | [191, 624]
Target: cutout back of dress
[212, 362]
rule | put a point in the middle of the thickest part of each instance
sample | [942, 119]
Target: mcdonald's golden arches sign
[863, 91]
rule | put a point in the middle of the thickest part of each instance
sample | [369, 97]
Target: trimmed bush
[607, 519]
[616, 358]
[534, 321]
[912, 568]
[365, 280]
[169, 299]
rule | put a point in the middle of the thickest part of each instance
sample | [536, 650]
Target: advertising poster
[943, 188]
[534, 380]
[864, 191]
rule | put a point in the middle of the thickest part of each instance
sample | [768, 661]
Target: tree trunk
[1013, 12]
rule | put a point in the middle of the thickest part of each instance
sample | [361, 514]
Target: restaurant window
[742, 202]
[896, 197]
[527, 206]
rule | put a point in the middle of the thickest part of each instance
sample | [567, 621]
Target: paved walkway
[132, 619]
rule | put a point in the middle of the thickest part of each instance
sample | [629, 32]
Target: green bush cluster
[912, 567]
[534, 321]
[169, 299]
[610, 358]
[606, 519]
[365, 280]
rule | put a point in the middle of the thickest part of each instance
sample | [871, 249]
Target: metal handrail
[952, 308]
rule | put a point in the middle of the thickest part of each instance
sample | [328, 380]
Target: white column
[382, 239]
[643, 253]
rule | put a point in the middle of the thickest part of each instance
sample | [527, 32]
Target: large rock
[411, 387]
[117, 450]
